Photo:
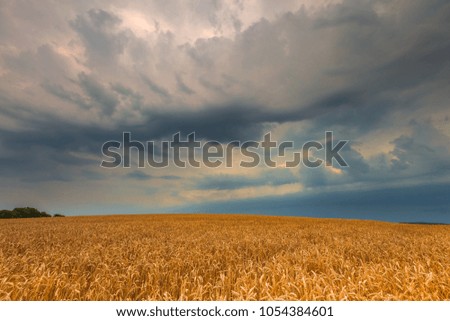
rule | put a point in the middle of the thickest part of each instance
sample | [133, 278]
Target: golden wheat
[221, 257]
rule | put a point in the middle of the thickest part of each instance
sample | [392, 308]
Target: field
[221, 257]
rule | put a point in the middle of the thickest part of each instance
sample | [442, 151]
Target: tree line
[25, 212]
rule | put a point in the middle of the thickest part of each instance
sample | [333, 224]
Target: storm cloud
[375, 73]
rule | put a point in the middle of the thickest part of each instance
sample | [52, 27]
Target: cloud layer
[76, 75]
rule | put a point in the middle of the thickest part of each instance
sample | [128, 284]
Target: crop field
[221, 257]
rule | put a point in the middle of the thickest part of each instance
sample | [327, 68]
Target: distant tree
[27, 212]
[58, 215]
[23, 212]
[5, 214]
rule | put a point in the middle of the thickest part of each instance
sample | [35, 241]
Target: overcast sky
[75, 74]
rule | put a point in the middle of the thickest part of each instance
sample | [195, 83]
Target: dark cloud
[98, 94]
[99, 30]
[358, 68]
[64, 94]
[156, 88]
[424, 203]
[50, 152]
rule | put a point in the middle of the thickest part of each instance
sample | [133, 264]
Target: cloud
[270, 177]
[425, 203]
[227, 70]
[256, 192]
[140, 175]
[183, 87]
[98, 94]
[156, 88]
[99, 30]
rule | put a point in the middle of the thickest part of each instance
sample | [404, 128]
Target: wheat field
[221, 257]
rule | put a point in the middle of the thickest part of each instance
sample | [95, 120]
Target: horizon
[357, 90]
[343, 218]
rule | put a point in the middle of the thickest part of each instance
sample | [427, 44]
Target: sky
[76, 74]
